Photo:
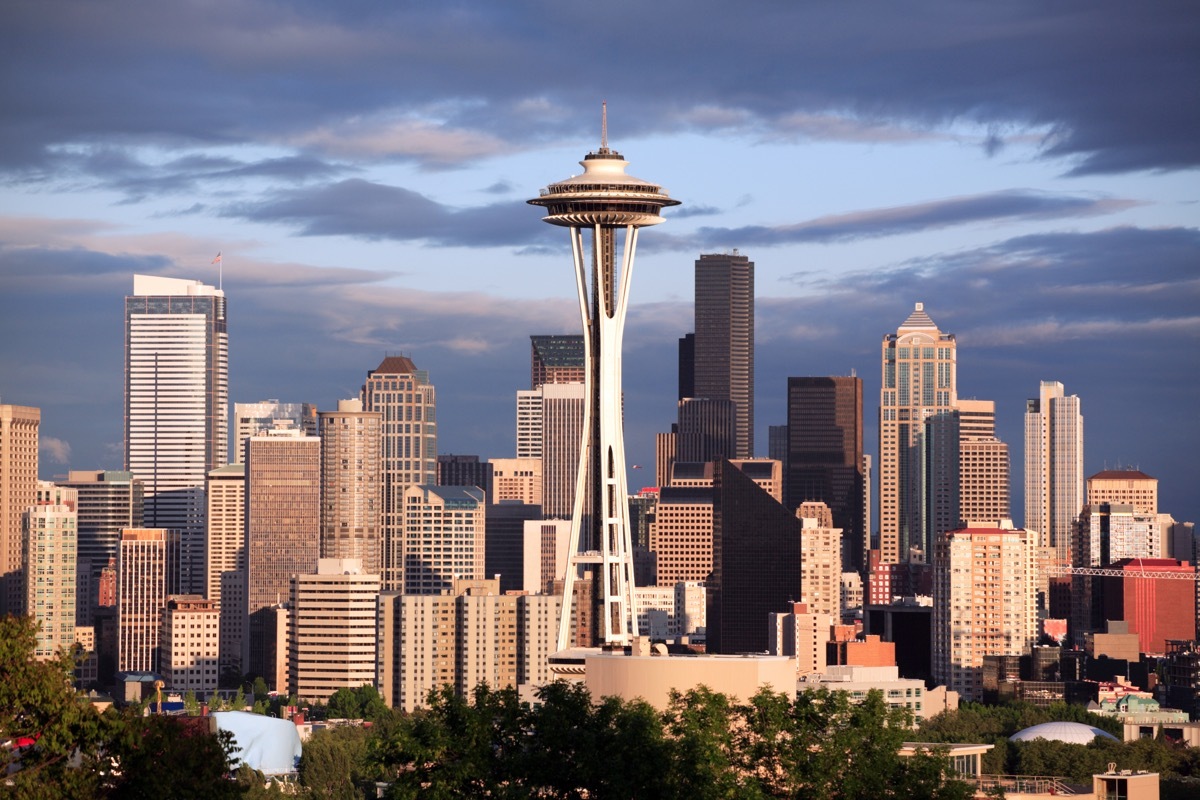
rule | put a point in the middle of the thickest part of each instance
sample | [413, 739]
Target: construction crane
[1106, 572]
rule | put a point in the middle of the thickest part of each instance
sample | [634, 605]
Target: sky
[1027, 170]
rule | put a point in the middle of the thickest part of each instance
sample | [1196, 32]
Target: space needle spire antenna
[611, 207]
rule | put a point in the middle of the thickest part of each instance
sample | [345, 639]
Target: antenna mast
[603, 126]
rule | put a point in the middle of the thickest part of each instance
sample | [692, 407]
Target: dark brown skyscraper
[724, 347]
[824, 459]
[756, 562]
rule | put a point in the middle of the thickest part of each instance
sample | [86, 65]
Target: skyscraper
[225, 561]
[283, 535]
[250, 419]
[707, 429]
[407, 400]
[562, 417]
[18, 491]
[143, 567]
[918, 371]
[824, 460]
[106, 502]
[352, 484]
[983, 464]
[613, 206]
[556, 359]
[176, 406]
[724, 346]
[1053, 466]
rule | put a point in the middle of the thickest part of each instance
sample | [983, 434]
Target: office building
[225, 563]
[443, 537]
[984, 602]
[18, 491]
[518, 479]
[1053, 466]
[966, 468]
[352, 484]
[687, 366]
[106, 502]
[529, 423]
[777, 443]
[1104, 534]
[251, 419]
[983, 484]
[407, 401]
[176, 407]
[332, 629]
[190, 641]
[283, 537]
[464, 470]
[824, 459]
[918, 381]
[556, 359]
[1156, 597]
[562, 432]
[665, 447]
[801, 633]
[48, 563]
[724, 347]
[756, 562]
[643, 508]
[143, 566]
[544, 554]
[504, 542]
[707, 429]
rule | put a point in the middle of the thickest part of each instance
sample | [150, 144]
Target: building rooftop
[918, 319]
[1121, 475]
[395, 365]
[559, 350]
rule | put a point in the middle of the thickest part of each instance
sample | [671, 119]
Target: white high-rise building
[225, 559]
[1053, 466]
[332, 630]
[176, 406]
[49, 558]
[984, 602]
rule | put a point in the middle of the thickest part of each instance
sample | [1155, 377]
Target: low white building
[897, 692]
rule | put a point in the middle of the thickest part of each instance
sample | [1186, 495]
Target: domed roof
[1069, 732]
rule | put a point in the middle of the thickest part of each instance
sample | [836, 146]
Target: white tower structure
[613, 206]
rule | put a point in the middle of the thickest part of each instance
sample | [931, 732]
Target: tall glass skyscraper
[176, 407]
[724, 345]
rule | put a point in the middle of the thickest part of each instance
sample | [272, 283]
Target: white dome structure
[1069, 732]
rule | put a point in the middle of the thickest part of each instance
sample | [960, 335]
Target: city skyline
[1046, 215]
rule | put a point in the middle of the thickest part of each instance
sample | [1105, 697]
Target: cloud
[369, 210]
[898, 220]
[56, 450]
[445, 85]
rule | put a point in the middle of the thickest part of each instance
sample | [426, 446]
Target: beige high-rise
[444, 530]
[984, 602]
[820, 561]
[18, 491]
[332, 629]
[352, 484]
[225, 560]
[983, 464]
[1129, 487]
[918, 381]
[517, 479]
[407, 401]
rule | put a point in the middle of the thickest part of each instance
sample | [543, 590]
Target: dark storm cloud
[1109, 84]
[873, 223]
[357, 207]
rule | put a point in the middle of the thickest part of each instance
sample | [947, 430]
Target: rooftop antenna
[603, 126]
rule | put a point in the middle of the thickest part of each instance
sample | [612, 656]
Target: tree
[46, 720]
[173, 758]
[334, 763]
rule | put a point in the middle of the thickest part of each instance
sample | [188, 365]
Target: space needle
[612, 206]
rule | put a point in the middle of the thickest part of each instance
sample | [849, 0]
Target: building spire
[603, 126]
